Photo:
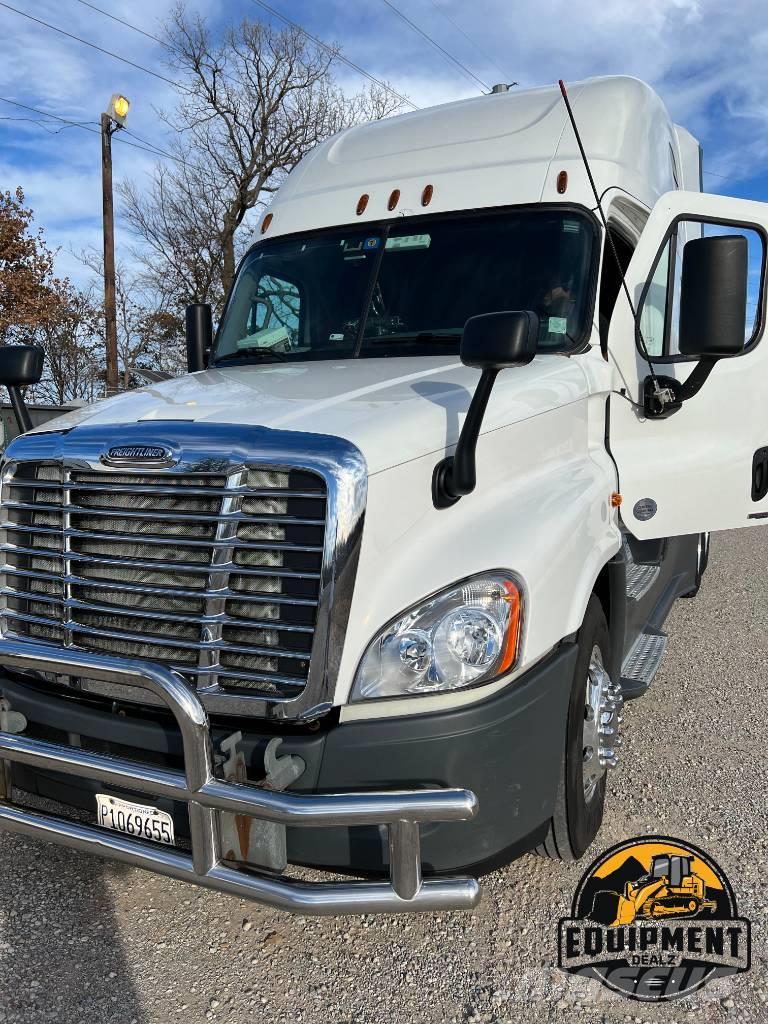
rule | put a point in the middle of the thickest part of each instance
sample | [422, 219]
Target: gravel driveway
[86, 941]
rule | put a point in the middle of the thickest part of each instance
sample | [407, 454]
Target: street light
[111, 121]
[118, 108]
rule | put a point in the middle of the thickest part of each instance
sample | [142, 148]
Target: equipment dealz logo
[655, 919]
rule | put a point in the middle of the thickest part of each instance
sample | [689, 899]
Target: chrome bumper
[205, 795]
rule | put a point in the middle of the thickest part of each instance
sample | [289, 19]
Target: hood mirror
[491, 342]
[20, 366]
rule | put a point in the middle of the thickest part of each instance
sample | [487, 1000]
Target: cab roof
[501, 149]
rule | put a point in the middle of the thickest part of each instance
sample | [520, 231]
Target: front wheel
[594, 716]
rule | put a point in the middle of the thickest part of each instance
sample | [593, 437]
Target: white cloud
[707, 60]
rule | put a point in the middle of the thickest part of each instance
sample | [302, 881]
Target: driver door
[705, 466]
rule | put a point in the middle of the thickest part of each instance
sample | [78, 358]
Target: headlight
[459, 637]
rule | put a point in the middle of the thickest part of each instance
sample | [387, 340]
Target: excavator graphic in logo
[670, 889]
[654, 918]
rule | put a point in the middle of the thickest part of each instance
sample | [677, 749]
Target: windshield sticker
[558, 325]
[407, 242]
[372, 243]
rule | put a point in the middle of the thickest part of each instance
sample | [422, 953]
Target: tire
[702, 561]
[577, 817]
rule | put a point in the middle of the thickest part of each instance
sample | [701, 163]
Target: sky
[707, 59]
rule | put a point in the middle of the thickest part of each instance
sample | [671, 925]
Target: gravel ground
[86, 941]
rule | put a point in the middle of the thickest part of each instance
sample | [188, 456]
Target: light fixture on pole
[111, 121]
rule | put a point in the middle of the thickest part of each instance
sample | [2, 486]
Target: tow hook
[250, 840]
[13, 722]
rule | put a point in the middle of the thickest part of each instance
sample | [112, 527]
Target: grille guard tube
[399, 812]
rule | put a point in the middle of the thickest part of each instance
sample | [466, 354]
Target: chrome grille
[216, 575]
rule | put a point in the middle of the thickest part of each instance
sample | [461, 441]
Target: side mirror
[496, 341]
[713, 316]
[20, 366]
[199, 335]
[491, 342]
[713, 296]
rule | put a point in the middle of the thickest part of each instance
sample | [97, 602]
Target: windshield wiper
[410, 336]
[246, 354]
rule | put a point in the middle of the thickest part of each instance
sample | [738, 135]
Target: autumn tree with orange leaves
[30, 294]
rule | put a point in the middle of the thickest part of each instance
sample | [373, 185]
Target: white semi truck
[366, 589]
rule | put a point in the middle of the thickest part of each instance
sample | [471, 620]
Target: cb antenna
[658, 391]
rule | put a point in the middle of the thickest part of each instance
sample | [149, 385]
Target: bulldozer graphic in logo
[670, 889]
[654, 918]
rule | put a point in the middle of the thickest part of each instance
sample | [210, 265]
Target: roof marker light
[394, 199]
[362, 202]
[426, 195]
[562, 182]
[266, 222]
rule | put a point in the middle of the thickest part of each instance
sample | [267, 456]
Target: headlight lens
[465, 635]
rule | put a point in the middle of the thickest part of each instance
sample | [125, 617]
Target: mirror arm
[697, 378]
[20, 410]
[456, 475]
[198, 329]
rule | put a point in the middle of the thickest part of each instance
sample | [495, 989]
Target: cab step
[642, 663]
[640, 576]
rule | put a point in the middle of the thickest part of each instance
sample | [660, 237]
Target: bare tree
[251, 104]
[150, 335]
[74, 356]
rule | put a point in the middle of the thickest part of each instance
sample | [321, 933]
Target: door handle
[760, 474]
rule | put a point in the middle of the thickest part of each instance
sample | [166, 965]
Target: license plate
[134, 819]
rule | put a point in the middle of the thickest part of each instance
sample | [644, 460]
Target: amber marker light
[394, 199]
[266, 222]
[513, 599]
[426, 195]
[615, 499]
[562, 183]
[362, 202]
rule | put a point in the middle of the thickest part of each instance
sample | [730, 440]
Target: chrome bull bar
[205, 796]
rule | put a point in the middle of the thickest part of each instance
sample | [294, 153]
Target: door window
[659, 314]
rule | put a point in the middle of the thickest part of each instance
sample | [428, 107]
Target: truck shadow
[451, 397]
[61, 956]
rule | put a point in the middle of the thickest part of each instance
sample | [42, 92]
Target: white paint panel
[541, 509]
[697, 464]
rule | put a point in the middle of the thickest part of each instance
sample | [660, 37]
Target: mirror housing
[199, 335]
[20, 366]
[713, 297]
[713, 317]
[497, 341]
[491, 342]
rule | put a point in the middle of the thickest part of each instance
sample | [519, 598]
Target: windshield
[408, 287]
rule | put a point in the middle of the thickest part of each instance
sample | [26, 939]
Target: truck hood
[394, 410]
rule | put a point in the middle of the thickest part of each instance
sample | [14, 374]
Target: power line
[336, 54]
[46, 123]
[87, 42]
[140, 67]
[469, 39]
[271, 10]
[153, 146]
[449, 56]
[85, 126]
[120, 21]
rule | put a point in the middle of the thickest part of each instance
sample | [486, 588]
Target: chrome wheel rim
[602, 718]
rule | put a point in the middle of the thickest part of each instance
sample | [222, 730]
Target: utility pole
[110, 308]
[111, 121]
